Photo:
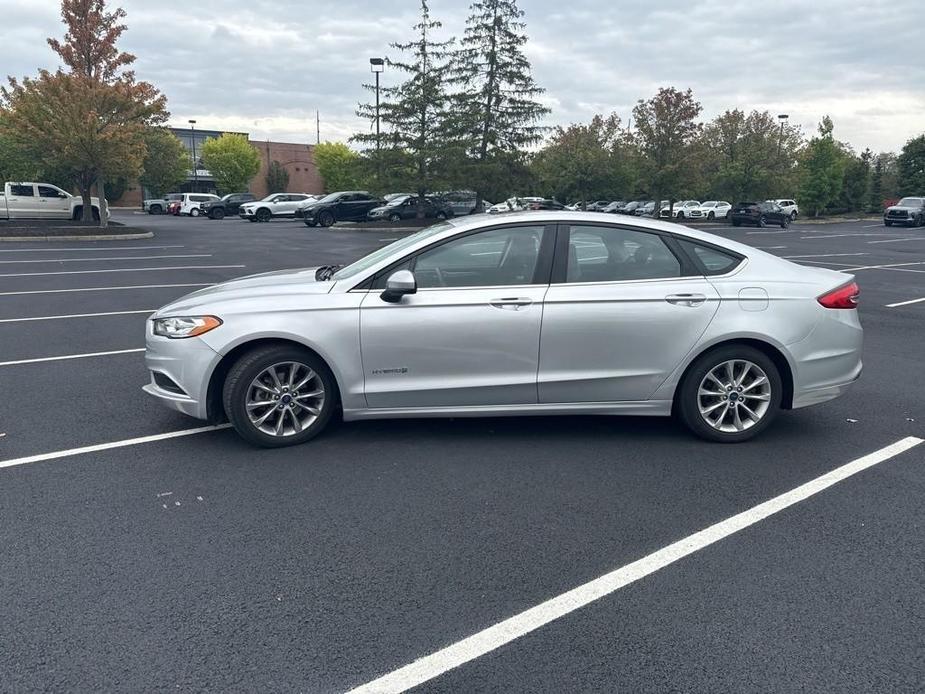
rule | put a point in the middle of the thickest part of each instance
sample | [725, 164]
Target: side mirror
[399, 284]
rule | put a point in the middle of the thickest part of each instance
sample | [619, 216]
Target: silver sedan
[534, 313]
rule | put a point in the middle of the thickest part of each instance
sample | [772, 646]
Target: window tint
[48, 192]
[601, 254]
[492, 258]
[22, 191]
[715, 262]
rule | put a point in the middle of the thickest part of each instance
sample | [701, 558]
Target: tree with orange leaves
[89, 116]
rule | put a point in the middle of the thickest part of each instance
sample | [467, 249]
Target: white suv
[790, 207]
[190, 202]
[681, 209]
[274, 205]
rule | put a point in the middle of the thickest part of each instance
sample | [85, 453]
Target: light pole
[192, 130]
[377, 65]
[780, 139]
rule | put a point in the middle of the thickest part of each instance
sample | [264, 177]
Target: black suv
[908, 211]
[761, 214]
[406, 207]
[346, 206]
[228, 205]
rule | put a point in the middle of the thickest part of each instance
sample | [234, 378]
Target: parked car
[615, 207]
[191, 203]
[908, 211]
[391, 196]
[159, 205]
[513, 205]
[648, 209]
[24, 200]
[761, 214]
[406, 207]
[173, 207]
[635, 320]
[631, 207]
[552, 204]
[461, 202]
[229, 205]
[597, 205]
[711, 209]
[680, 209]
[345, 206]
[274, 205]
[789, 206]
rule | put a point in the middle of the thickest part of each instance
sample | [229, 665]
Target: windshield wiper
[326, 272]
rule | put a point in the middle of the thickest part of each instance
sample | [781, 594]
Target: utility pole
[192, 129]
[317, 127]
[780, 139]
[377, 65]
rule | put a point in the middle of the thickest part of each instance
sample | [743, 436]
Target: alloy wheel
[285, 399]
[734, 396]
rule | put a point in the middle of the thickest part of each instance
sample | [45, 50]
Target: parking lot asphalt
[201, 564]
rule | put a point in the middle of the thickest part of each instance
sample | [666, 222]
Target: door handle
[511, 303]
[689, 300]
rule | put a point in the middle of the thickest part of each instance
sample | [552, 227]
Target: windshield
[386, 251]
[910, 202]
[395, 202]
[330, 197]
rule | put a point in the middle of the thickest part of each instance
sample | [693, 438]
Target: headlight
[185, 326]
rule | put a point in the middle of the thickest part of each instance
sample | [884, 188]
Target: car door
[623, 310]
[470, 335]
[22, 201]
[54, 202]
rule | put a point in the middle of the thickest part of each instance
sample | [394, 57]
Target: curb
[95, 237]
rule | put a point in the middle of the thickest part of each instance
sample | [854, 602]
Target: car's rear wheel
[793, 215]
[762, 222]
[194, 212]
[326, 218]
[218, 213]
[279, 396]
[394, 218]
[441, 216]
[264, 215]
[730, 394]
[156, 209]
[785, 222]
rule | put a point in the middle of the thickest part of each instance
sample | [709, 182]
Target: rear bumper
[829, 360]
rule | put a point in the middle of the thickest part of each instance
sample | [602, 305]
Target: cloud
[265, 66]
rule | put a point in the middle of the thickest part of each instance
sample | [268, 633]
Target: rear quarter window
[712, 261]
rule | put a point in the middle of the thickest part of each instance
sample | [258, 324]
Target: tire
[680, 215]
[887, 223]
[785, 222]
[441, 216]
[326, 218]
[793, 215]
[96, 214]
[394, 218]
[239, 390]
[194, 212]
[217, 213]
[711, 216]
[263, 215]
[762, 222]
[725, 428]
[155, 209]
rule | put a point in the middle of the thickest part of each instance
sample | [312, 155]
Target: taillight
[845, 296]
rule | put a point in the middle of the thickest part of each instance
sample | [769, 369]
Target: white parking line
[886, 266]
[871, 226]
[90, 260]
[911, 238]
[823, 255]
[73, 315]
[834, 236]
[124, 269]
[504, 632]
[91, 249]
[906, 303]
[769, 248]
[108, 446]
[103, 289]
[67, 357]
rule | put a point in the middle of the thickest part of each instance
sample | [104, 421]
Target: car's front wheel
[394, 217]
[785, 222]
[711, 216]
[279, 396]
[887, 222]
[264, 215]
[194, 212]
[326, 218]
[730, 394]
[218, 213]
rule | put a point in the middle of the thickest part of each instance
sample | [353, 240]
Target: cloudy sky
[264, 66]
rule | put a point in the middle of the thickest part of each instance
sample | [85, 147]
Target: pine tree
[823, 170]
[414, 113]
[496, 112]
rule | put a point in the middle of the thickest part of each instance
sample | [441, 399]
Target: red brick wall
[298, 160]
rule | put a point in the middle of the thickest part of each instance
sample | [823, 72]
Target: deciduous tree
[666, 131]
[166, 163]
[911, 167]
[232, 160]
[277, 178]
[338, 165]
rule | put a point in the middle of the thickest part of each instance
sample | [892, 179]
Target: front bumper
[188, 364]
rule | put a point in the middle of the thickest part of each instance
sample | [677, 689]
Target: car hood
[902, 208]
[268, 284]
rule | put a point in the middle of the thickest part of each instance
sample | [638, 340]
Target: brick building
[297, 159]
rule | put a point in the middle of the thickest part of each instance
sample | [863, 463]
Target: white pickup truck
[23, 200]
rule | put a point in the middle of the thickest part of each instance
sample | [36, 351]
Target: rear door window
[609, 254]
[22, 191]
